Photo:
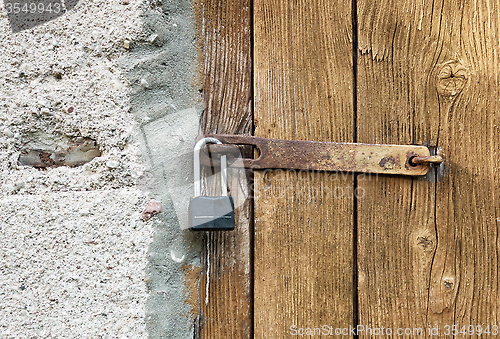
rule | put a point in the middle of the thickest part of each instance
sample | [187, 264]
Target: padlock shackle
[197, 172]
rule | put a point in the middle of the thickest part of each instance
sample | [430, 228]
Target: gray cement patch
[167, 104]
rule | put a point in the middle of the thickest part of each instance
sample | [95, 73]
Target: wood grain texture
[226, 52]
[224, 28]
[303, 221]
[428, 248]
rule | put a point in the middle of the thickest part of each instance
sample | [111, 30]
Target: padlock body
[211, 213]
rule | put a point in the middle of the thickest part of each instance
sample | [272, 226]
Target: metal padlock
[210, 213]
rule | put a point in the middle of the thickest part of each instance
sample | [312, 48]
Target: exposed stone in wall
[52, 151]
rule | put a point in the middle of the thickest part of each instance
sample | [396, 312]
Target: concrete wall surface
[78, 257]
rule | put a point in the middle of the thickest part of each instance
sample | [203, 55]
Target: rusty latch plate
[327, 156]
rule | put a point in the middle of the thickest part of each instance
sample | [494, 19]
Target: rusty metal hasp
[328, 156]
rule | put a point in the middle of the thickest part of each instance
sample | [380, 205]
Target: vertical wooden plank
[303, 221]
[224, 27]
[428, 248]
[465, 274]
[396, 226]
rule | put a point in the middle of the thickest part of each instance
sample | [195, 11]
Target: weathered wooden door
[413, 255]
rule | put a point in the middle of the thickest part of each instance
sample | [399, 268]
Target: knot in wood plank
[451, 79]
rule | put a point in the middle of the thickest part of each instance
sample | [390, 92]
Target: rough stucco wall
[76, 259]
